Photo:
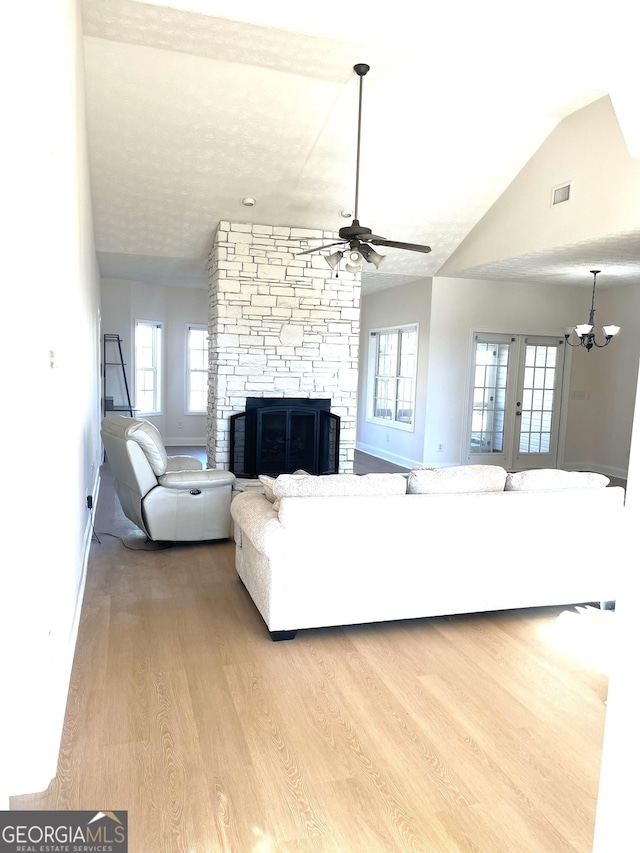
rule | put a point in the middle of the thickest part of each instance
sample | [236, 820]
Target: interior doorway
[515, 400]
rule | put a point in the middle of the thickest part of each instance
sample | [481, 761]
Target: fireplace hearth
[280, 435]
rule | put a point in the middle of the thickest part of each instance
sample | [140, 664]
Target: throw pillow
[300, 486]
[554, 478]
[459, 479]
[267, 483]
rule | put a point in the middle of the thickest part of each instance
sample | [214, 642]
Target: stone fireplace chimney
[280, 325]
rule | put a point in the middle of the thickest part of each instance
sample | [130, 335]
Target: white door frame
[563, 397]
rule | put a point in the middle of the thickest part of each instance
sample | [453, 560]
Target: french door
[515, 400]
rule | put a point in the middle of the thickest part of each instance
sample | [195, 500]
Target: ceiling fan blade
[412, 247]
[319, 248]
[357, 236]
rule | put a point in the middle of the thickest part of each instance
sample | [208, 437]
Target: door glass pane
[489, 396]
[537, 398]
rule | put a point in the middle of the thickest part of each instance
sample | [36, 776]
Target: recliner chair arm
[183, 463]
[209, 478]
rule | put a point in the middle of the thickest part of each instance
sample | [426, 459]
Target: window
[392, 383]
[148, 354]
[197, 368]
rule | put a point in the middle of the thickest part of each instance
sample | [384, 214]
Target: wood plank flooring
[476, 734]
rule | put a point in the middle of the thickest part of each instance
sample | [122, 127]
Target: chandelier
[585, 332]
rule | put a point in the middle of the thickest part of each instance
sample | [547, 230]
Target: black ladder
[112, 358]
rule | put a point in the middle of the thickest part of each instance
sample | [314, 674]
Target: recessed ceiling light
[248, 201]
[347, 213]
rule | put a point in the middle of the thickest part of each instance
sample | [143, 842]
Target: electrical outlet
[179, 424]
[440, 448]
[387, 437]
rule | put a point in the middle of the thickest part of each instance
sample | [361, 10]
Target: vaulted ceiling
[194, 105]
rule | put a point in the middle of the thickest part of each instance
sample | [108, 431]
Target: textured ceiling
[194, 105]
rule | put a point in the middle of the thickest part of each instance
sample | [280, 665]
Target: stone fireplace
[280, 325]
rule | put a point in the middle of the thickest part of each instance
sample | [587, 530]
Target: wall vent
[560, 194]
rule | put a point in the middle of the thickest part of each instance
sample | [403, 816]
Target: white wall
[461, 306]
[123, 302]
[49, 335]
[588, 149]
[598, 430]
[599, 424]
[616, 825]
[396, 306]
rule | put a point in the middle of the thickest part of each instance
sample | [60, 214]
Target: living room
[56, 269]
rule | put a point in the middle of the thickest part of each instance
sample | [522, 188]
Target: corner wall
[458, 307]
[50, 381]
[396, 306]
[124, 302]
[603, 383]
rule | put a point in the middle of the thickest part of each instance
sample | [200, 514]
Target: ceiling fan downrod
[360, 238]
[361, 69]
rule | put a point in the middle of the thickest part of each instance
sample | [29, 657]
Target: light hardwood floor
[476, 734]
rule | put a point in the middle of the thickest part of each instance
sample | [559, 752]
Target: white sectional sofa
[343, 549]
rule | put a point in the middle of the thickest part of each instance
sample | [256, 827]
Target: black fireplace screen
[284, 434]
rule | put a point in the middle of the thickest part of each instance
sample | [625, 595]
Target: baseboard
[402, 461]
[172, 441]
[607, 470]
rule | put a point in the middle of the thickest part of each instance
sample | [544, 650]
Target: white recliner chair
[170, 498]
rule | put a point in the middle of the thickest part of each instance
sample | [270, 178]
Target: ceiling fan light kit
[371, 256]
[584, 331]
[358, 241]
[334, 259]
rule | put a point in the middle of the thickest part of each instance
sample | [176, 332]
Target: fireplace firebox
[280, 435]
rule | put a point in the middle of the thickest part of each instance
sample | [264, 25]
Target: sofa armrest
[208, 478]
[255, 518]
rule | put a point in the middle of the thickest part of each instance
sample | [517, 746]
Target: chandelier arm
[589, 341]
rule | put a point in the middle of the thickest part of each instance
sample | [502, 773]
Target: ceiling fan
[360, 240]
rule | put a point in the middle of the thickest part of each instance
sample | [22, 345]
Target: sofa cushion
[554, 478]
[459, 479]
[326, 485]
